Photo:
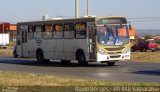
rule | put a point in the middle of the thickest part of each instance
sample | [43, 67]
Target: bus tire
[40, 57]
[111, 63]
[15, 54]
[81, 58]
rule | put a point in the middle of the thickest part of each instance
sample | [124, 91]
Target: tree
[148, 37]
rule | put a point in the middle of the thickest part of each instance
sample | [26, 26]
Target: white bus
[90, 39]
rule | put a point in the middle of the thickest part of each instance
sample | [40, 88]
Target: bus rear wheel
[40, 57]
[111, 63]
[15, 54]
[81, 58]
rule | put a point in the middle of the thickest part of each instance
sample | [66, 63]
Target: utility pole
[76, 8]
[88, 7]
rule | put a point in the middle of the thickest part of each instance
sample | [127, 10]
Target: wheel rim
[81, 58]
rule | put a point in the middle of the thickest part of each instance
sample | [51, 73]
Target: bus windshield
[112, 35]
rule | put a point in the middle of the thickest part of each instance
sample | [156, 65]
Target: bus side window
[57, 31]
[30, 32]
[68, 30]
[47, 33]
[38, 31]
[80, 30]
[38, 28]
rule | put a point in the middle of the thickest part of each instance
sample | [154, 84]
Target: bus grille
[118, 56]
[114, 53]
[114, 49]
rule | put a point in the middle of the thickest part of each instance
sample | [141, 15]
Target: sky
[143, 14]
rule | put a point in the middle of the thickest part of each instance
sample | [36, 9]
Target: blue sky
[28, 10]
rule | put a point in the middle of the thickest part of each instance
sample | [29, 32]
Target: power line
[148, 20]
[146, 17]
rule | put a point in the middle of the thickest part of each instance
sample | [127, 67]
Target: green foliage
[148, 37]
[158, 41]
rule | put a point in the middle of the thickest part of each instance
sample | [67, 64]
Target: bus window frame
[44, 30]
[35, 31]
[81, 30]
[29, 38]
[71, 29]
[55, 31]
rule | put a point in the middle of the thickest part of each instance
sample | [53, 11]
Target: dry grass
[26, 79]
[6, 52]
[145, 57]
[12, 43]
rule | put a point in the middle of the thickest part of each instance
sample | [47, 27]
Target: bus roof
[89, 18]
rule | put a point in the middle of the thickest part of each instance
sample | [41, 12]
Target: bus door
[24, 50]
[92, 40]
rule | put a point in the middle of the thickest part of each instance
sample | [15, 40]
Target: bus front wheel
[81, 58]
[111, 63]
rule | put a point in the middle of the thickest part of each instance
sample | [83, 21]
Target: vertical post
[88, 7]
[76, 8]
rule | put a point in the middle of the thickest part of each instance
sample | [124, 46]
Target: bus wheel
[40, 57]
[15, 54]
[81, 58]
[111, 63]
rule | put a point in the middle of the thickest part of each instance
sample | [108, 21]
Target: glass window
[113, 35]
[48, 29]
[80, 29]
[38, 28]
[30, 32]
[69, 30]
[58, 31]
[104, 21]
[38, 31]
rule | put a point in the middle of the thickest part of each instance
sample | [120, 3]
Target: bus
[86, 39]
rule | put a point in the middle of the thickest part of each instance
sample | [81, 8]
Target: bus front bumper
[112, 57]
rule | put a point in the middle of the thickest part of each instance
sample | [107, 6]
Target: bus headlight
[101, 51]
[126, 50]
